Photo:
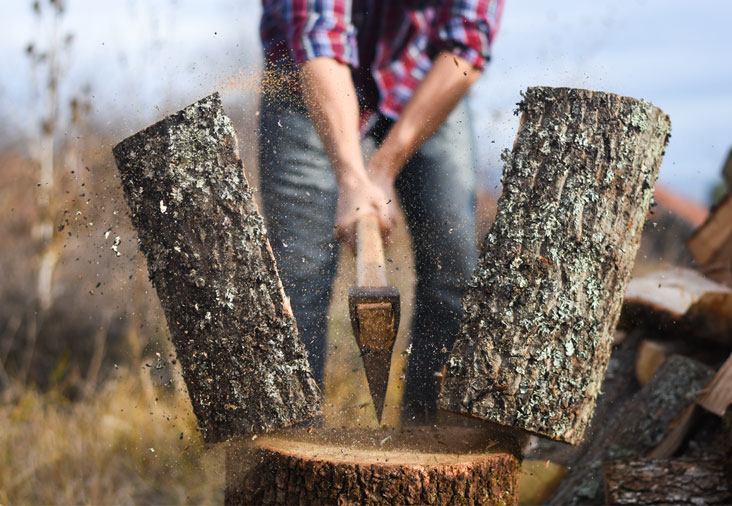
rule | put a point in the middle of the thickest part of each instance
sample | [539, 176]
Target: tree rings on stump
[422, 466]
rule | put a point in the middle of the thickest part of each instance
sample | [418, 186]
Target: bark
[638, 427]
[618, 386]
[207, 253]
[545, 297]
[384, 468]
[660, 482]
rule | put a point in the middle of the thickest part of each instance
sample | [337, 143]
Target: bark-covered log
[679, 303]
[666, 482]
[208, 256]
[727, 170]
[384, 467]
[727, 444]
[545, 296]
[635, 429]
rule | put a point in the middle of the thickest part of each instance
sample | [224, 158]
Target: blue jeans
[437, 191]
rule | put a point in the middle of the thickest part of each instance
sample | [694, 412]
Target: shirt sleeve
[321, 28]
[467, 28]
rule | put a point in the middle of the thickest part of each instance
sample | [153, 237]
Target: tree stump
[368, 467]
[208, 257]
[545, 297]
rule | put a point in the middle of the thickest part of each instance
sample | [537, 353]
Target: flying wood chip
[207, 253]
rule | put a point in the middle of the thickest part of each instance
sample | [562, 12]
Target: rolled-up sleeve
[467, 28]
[321, 28]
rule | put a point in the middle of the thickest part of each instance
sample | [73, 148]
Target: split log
[545, 297]
[717, 396]
[671, 482]
[710, 238]
[727, 170]
[651, 355]
[355, 467]
[727, 444]
[638, 427]
[679, 303]
[208, 257]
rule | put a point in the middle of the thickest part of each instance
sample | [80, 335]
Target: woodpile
[662, 431]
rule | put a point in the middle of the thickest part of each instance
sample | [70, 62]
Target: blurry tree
[46, 56]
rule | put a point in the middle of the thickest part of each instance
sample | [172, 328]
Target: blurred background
[91, 404]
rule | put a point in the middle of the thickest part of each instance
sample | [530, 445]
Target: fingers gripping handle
[370, 260]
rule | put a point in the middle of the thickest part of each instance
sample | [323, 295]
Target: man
[398, 70]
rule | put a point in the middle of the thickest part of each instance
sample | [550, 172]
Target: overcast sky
[145, 57]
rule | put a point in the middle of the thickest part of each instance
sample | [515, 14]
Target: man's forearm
[330, 97]
[443, 87]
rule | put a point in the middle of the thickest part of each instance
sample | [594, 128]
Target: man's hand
[331, 101]
[359, 197]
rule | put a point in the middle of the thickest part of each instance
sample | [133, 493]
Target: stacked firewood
[662, 430]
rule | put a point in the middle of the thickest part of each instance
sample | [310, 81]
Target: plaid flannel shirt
[399, 37]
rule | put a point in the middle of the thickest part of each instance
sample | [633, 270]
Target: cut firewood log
[208, 257]
[658, 482]
[727, 442]
[651, 355]
[717, 396]
[711, 236]
[354, 467]
[545, 297]
[680, 303]
[679, 431]
[719, 266]
[636, 428]
[727, 170]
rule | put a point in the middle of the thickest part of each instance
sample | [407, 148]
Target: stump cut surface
[350, 467]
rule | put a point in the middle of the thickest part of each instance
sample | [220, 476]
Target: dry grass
[129, 444]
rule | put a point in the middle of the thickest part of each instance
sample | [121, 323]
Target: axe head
[375, 312]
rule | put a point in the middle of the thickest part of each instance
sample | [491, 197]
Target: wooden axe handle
[370, 262]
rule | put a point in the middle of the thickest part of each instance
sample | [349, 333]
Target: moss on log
[208, 257]
[545, 297]
[446, 466]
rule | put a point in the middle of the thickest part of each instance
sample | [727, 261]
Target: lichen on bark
[208, 257]
[546, 294]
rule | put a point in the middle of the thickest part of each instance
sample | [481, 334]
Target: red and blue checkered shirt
[389, 44]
